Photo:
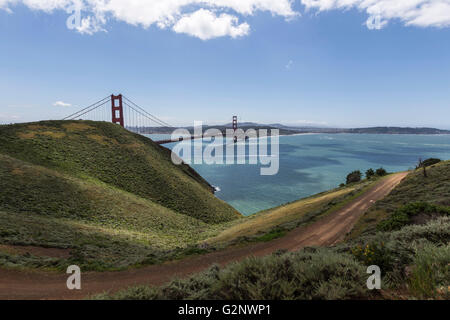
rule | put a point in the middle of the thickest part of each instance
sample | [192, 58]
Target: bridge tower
[117, 109]
[235, 127]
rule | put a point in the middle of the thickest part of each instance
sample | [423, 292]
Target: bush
[436, 231]
[308, 274]
[353, 177]
[374, 253]
[403, 216]
[431, 273]
[381, 172]
[370, 173]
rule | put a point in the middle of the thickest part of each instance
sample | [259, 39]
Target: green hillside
[99, 226]
[416, 188]
[103, 152]
[96, 195]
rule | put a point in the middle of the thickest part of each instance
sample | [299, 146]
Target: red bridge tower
[117, 109]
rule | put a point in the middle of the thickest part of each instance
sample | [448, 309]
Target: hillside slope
[96, 225]
[107, 153]
[433, 189]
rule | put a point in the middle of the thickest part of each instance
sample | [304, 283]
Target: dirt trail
[327, 231]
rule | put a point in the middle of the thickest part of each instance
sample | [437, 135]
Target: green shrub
[381, 172]
[370, 173]
[308, 274]
[403, 215]
[374, 253]
[431, 272]
[399, 248]
[273, 234]
[436, 231]
[353, 177]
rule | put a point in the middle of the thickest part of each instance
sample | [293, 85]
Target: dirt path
[327, 231]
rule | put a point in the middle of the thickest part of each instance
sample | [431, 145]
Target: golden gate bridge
[122, 111]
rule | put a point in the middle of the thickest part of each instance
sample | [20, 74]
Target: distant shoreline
[289, 131]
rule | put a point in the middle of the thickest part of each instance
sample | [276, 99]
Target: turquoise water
[310, 164]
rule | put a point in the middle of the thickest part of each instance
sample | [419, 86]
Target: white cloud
[422, 13]
[204, 24]
[208, 19]
[61, 104]
[204, 19]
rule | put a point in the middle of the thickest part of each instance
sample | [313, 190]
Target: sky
[338, 63]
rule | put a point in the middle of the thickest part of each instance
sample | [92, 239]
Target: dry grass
[17, 171]
[35, 127]
[135, 147]
[102, 139]
[76, 127]
[26, 135]
[32, 134]
[278, 216]
[53, 134]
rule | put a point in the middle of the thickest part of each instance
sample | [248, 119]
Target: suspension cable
[76, 114]
[146, 116]
[149, 115]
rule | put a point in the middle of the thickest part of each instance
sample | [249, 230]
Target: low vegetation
[413, 260]
[431, 272]
[356, 176]
[309, 274]
[353, 177]
[410, 213]
[433, 189]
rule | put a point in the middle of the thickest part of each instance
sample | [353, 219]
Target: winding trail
[327, 231]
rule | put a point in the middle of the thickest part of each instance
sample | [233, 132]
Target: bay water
[313, 163]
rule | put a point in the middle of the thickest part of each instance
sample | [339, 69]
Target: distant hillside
[397, 130]
[109, 154]
[244, 126]
[290, 130]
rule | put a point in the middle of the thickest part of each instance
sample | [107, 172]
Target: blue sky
[304, 64]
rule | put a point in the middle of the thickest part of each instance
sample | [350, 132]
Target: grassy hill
[105, 196]
[433, 189]
[103, 152]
